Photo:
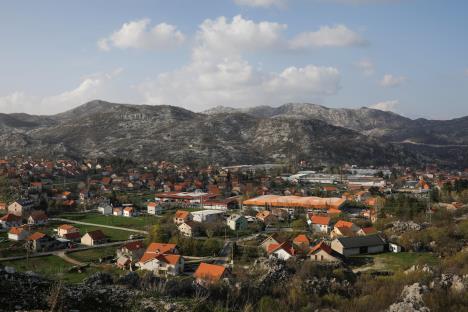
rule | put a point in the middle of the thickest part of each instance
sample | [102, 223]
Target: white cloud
[90, 88]
[219, 75]
[389, 81]
[232, 37]
[366, 66]
[388, 106]
[326, 36]
[140, 35]
[234, 82]
[261, 3]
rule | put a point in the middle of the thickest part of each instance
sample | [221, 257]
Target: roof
[133, 245]
[36, 236]
[285, 246]
[151, 204]
[263, 214]
[10, 217]
[67, 227]
[321, 246]
[361, 241]
[96, 235]
[301, 239]
[74, 235]
[210, 272]
[296, 201]
[369, 230]
[322, 220]
[161, 248]
[38, 215]
[182, 214]
[128, 209]
[345, 231]
[344, 224]
[16, 230]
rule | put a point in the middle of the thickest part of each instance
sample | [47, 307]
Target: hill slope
[229, 136]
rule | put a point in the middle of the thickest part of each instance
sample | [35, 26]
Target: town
[69, 220]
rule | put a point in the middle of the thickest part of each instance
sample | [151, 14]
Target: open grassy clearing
[93, 255]
[397, 261]
[139, 223]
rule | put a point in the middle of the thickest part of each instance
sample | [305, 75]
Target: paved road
[100, 225]
[57, 252]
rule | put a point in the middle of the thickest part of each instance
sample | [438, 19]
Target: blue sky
[409, 56]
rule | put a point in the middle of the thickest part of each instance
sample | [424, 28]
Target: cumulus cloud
[238, 35]
[390, 81]
[387, 106]
[234, 82]
[218, 74]
[366, 66]
[328, 36]
[261, 3]
[140, 35]
[90, 87]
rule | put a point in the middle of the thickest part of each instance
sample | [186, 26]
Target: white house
[128, 212]
[187, 228]
[282, 251]
[236, 222]
[117, 211]
[153, 208]
[319, 224]
[207, 215]
[162, 259]
[105, 209]
[18, 234]
[38, 217]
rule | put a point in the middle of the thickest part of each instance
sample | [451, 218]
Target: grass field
[398, 261]
[56, 268]
[139, 223]
[93, 255]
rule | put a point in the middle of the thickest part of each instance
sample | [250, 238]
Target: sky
[406, 56]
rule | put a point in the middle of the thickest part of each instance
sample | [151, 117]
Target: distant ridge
[223, 135]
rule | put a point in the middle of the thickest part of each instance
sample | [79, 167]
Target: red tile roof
[10, 218]
[161, 248]
[322, 220]
[301, 239]
[36, 236]
[209, 272]
[323, 246]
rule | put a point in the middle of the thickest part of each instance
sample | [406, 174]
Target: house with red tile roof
[344, 229]
[18, 233]
[40, 242]
[10, 220]
[93, 238]
[367, 231]
[301, 242]
[323, 253]
[181, 216]
[162, 259]
[283, 251]
[319, 224]
[210, 273]
[128, 212]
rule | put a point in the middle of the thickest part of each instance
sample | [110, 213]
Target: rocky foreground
[101, 292]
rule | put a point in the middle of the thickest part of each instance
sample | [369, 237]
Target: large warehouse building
[294, 202]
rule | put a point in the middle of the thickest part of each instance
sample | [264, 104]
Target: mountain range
[223, 135]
